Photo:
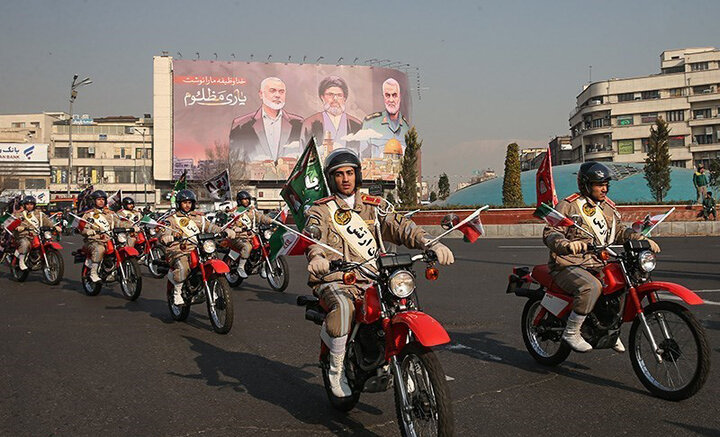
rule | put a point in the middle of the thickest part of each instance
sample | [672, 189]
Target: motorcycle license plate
[555, 304]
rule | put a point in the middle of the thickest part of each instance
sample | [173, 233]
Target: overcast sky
[495, 72]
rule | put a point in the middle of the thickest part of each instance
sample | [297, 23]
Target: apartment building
[612, 119]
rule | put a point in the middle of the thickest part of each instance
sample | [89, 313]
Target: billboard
[23, 152]
[263, 115]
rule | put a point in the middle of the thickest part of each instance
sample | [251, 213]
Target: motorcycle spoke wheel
[545, 346]
[156, 252]
[220, 305]
[131, 283]
[279, 278]
[430, 412]
[54, 270]
[89, 287]
[685, 352]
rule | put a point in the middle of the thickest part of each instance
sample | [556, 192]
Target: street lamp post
[73, 94]
[142, 132]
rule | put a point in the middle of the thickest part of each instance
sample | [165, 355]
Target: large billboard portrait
[265, 113]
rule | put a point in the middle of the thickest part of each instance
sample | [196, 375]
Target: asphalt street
[74, 365]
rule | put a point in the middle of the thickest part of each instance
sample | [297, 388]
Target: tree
[512, 188]
[657, 163]
[433, 196]
[714, 170]
[407, 179]
[443, 187]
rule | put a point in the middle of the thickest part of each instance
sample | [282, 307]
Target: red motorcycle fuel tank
[109, 247]
[193, 259]
[367, 309]
[614, 278]
[255, 242]
[140, 238]
[35, 242]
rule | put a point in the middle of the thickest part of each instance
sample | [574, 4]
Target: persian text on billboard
[264, 114]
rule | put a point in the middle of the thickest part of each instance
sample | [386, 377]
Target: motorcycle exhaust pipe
[314, 316]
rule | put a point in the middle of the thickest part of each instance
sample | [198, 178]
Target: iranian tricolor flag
[10, 222]
[552, 216]
[472, 230]
[289, 244]
[78, 223]
[148, 221]
[649, 223]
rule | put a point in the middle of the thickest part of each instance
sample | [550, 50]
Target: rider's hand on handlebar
[444, 254]
[167, 239]
[576, 247]
[653, 246]
[319, 266]
[20, 228]
[90, 232]
[230, 233]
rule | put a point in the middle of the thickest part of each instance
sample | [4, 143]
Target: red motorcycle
[205, 283]
[120, 263]
[389, 345]
[668, 347]
[44, 255]
[147, 245]
[276, 272]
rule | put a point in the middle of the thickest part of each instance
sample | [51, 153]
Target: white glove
[444, 254]
[653, 246]
[319, 266]
[167, 239]
[90, 232]
[230, 233]
[576, 247]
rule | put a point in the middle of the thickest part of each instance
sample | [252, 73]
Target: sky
[491, 73]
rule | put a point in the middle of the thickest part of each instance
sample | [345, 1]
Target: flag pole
[467, 219]
[314, 241]
[660, 221]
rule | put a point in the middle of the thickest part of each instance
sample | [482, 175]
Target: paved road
[74, 365]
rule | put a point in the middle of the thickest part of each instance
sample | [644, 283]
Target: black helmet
[592, 173]
[98, 194]
[184, 195]
[28, 199]
[127, 201]
[342, 158]
[242, 195]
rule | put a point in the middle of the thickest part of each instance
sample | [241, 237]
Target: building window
[123, 175]
[18, 124]
[676, 141]
[626, 97]
[703, 89]
[700, 114]
[675, 115]
[139, 154]
[626, 147]
[61, 152]
[649, 95]
[677, 92]
[59, 176]
[624, 120]
[645, 143]
[122, 153]
[598, 122]
[35, 184]
[681, 164]
[704, 139]
[11, 183]
[82, 152]
[699, 66]
[649, 117]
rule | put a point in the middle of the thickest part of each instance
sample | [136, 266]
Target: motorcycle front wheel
[220, 306]
[89, 287]
[430, 412]
[543, 340]
[131, 283]
[684, 350]
[279, 277]
[55, 268]
[157, 252]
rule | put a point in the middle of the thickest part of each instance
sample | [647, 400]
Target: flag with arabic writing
[305, 185]
[219, 186]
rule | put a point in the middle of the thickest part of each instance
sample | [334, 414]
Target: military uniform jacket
[246, 220]
[393, 228]
[129, 217]
[99, 220]
[31, 222]
[580, 207]
[178, 225]
[380, 123]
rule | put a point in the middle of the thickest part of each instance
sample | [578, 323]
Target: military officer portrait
[390, 123]
[270, 132]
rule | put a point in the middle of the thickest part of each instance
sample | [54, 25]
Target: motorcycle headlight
[647, 261]
[122, 237]
[402, 284]
[209, 246]
[267, 234]
[47, 235]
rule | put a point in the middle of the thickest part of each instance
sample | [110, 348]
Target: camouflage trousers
[581, 284]
[179, 268]
[23, 245]
[96, 249]
[242, 245]
[339, 301]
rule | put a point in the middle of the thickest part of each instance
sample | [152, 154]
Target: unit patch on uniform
[184, 221]
[342, 217]
[588, 209]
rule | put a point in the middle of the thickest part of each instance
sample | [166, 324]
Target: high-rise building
[613, 117]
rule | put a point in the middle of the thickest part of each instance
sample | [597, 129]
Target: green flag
[181, 183]
[305, 185]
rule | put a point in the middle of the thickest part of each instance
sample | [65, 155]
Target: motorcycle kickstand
[648, 334]
[405, 408]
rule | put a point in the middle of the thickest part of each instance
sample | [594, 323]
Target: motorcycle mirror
[313, 231]
[449, 221]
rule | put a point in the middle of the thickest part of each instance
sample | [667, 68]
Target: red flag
[472, 230]
[544, 182]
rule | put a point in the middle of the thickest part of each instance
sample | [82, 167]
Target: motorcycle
[206, 282]
[120, 263]
[147, 245]
[44, 255]
[389, 345]
[276, 272]
[668, 347]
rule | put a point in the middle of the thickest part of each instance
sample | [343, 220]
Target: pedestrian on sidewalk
[709, 206]
[700, 180]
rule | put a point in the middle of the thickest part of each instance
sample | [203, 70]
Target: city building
[531, 158]
[562, 151]
[612, 119]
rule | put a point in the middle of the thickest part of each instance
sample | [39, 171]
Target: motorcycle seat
[541, 273]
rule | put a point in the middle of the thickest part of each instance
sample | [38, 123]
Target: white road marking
[676, 298]
[459, 346]
[522, 247]
[449, 378]
[707, 291]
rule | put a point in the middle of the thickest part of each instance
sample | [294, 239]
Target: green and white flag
[552, 216]
[148, 221]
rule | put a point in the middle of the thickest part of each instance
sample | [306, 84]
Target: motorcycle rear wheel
[427, 391]
[131, 285]
[686, 349]
[221, 311]
[55, 268]
[233, 278]
[157, 252]
[279, 278]
[547, 352]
